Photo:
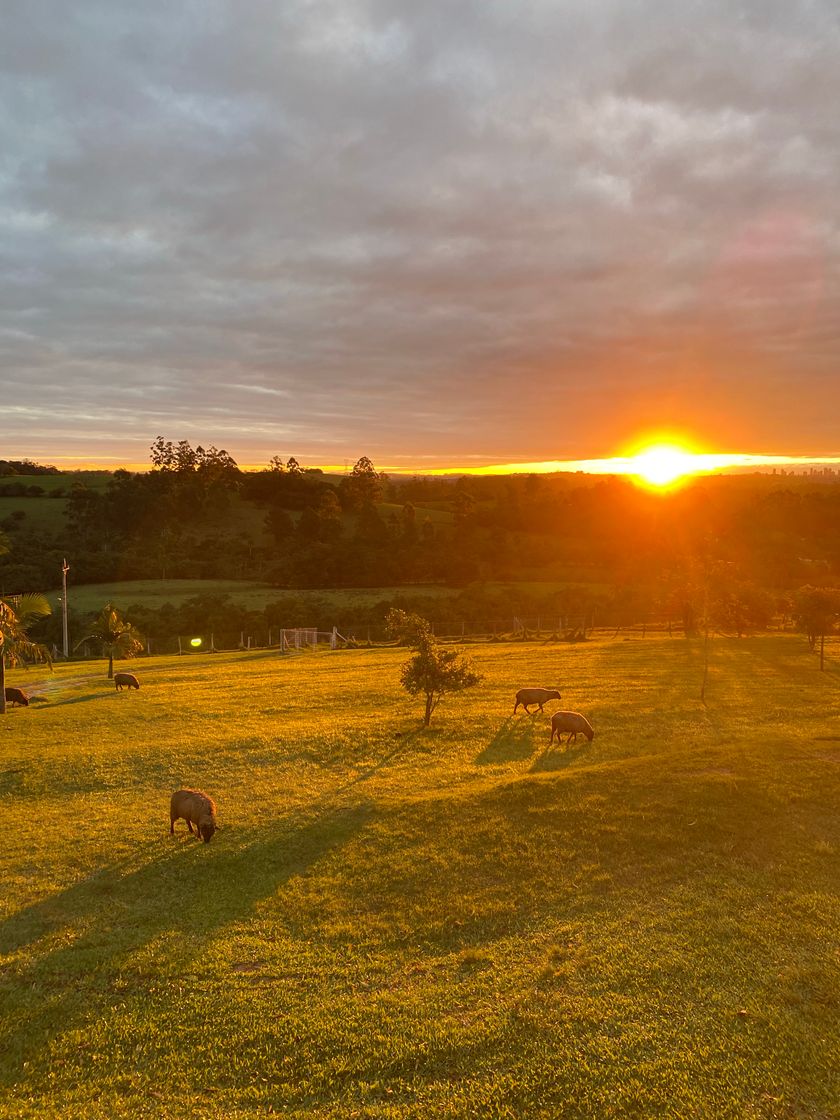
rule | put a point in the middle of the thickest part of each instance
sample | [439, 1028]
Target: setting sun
[662, 464]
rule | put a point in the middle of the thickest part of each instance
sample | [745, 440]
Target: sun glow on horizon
[660, 463]
[663, 464]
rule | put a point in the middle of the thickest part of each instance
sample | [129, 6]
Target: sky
[436, 234]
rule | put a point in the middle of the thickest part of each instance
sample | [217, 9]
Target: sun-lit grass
[454, 922]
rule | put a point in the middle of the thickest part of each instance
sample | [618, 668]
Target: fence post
[180, 651]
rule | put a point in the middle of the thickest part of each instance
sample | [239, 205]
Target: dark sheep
[16, 696]
[197, 809]
[540, 696]
[125, 680]
[573, 723]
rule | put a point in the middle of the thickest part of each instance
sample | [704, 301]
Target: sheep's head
[207, 828]
[554, 695]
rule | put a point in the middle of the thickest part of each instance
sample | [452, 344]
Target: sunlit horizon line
[696, 463]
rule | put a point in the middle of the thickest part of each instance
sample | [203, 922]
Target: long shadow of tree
[558, 758]
[189, 888]
[515, 740]
[401, 748]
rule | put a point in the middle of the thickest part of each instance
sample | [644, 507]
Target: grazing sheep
[574, 723]
[16, 696]
[197, 809]
[125, 680]
[526, 696]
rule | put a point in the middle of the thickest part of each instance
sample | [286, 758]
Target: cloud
[491, 229]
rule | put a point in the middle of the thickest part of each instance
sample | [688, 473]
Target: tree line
[739, 545]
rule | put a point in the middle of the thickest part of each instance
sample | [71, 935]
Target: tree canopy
[17, 615]
[118, 636]
[434, 670]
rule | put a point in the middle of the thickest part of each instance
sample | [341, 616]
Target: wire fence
[286, 640]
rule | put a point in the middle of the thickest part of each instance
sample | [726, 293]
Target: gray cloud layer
[492, 229]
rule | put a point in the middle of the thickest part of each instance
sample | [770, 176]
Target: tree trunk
[429, 709]
[2, 685]
[822, 653]
[111, 665]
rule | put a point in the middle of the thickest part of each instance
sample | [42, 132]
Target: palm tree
[116, 635]
[17, 614]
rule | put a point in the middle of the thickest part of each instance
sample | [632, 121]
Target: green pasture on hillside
[46, 514]
[254, 595]
[40, 515]
[93, 480]
[154, 593]
[446, 923]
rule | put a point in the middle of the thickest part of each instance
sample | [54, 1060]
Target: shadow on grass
[400, 748]
[11, 780]
[558, 758]
[98, 926]
[79, 699]
[515, 740]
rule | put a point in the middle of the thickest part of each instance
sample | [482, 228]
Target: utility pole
[65, 568]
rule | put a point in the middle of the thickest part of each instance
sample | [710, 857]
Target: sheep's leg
[189, 825]
[171, 826]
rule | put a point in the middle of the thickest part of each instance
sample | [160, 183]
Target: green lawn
[399, 923]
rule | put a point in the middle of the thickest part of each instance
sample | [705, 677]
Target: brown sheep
[16, 696]
[125, 680]
[540, 696]
[197, 809]
[574, 723]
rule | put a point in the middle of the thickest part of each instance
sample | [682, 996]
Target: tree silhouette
[433, 671]
[363, 486]
[17, 615]
[816, 610]
[118, 637]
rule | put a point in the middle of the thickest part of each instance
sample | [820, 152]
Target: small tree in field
[16, 616]
[116, 635]
[816, 610]
[433, 671]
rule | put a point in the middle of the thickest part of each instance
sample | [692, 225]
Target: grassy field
[154, 593]
[453, 922]
[42, 515]
[49, 483]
